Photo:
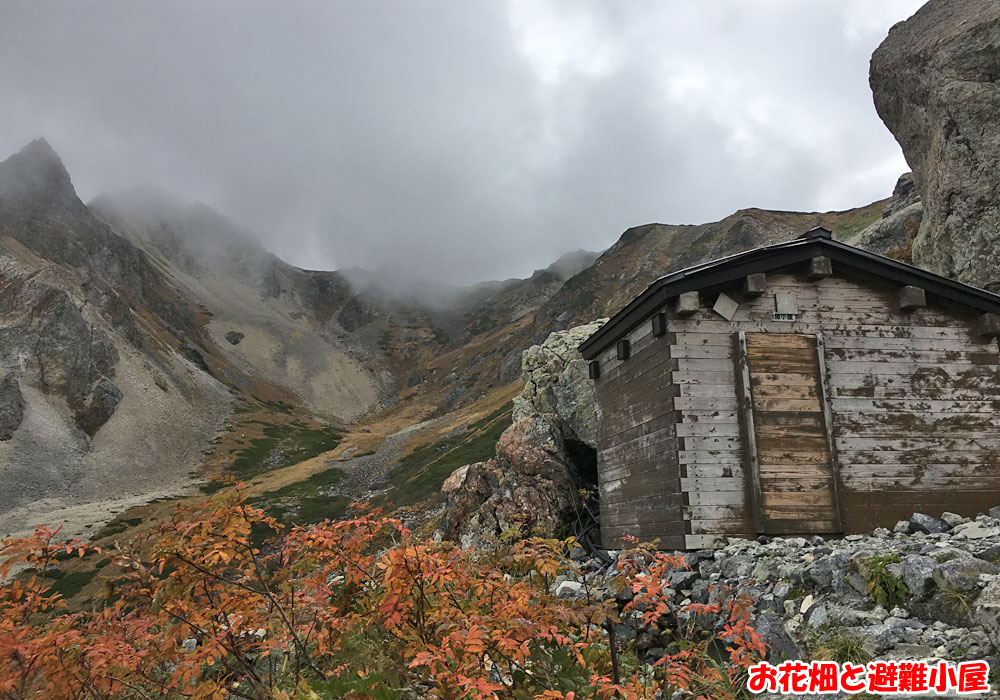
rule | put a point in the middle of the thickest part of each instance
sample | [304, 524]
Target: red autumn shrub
[358, 608]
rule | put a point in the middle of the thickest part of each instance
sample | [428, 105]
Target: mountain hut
[802, 388]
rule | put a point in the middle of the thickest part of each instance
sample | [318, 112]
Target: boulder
[466, 490]
[988, 610]
[927, 525]
[934, 80]
[953, 519]
[918, 573]
[990, 554]
[530, 485]
[780, 646]
[570, 589]
[557, 383]
[962, 574]
[975, 531]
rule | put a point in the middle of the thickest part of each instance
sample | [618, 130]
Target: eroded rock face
[936, 83]
[11, 407]
[556, 383]
[894, 232]
[529, 485]
[61, 353]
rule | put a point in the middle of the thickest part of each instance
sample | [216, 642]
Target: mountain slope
[263, 315]
[130, 327]
[100, 404]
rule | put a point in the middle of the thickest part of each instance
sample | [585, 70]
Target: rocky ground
[365, 472]
[930, 589]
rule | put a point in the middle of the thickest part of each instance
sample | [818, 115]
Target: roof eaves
[733, 267]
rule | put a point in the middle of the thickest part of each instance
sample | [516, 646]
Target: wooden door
[785, 411]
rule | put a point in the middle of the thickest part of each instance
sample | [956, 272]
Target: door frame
[749, 433]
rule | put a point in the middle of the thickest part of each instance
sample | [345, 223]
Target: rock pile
[929, 589]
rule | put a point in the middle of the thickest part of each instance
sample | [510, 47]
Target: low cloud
[458, 140]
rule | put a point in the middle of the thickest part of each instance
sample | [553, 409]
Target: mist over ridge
[464, 141]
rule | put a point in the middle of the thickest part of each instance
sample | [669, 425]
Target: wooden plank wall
[915, 399]
[637, 444]
[714, 474]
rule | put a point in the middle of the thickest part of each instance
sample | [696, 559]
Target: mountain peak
[35, 174]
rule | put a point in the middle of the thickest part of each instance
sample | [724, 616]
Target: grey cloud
[457, 140]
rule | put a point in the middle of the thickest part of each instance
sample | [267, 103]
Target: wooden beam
[623, 348]
[820, 267]
[989, 325]
[749, 435]
[754, 285]
[687, 304]
[659, 324]
[594, 369]
[725, 306]
[911, 298]
[824, 397]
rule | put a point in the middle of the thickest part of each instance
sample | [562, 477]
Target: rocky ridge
[105, 394]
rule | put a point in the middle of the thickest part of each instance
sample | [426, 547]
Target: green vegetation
[71, 584]
[482, 324]
[884, 588]
[421, 473]
[384, 341]
[579, 292]
[837, 647]
[116, 527]
[440, 335]
[305, 502]
[68, 584]
[280, 446]
[957, 599]
[852, 223]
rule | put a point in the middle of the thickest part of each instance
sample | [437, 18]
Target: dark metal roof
[816, 242]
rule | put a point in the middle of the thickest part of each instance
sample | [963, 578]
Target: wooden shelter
[805, 387]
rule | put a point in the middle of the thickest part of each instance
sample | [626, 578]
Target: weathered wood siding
[637, 444]
[915, 402]
[796, 490]
[713, 475]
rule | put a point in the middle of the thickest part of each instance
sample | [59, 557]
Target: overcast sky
[463, 140]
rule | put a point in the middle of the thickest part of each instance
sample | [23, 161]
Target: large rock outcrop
[936, 84]
[556, 383]
[894, 233]
[60, 351]
[530, 485]
[534, 480]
